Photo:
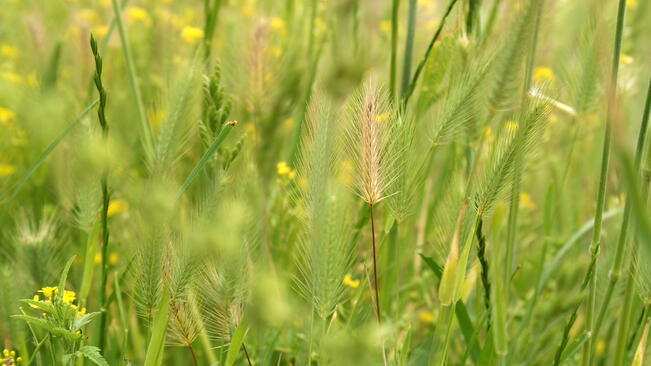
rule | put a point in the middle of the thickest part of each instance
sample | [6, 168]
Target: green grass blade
[64, 278]
[156, 347]
[89, 262]
[236, 343]
[133, 77]
[41, 159]
[225, 131]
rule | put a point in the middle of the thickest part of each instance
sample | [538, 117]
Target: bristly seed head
[369, 135]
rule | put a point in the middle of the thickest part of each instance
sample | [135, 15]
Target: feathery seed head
[370, 138]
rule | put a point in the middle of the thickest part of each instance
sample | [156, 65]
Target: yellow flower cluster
[49, 292]
[6, 170]
[9, 358]
[117, 206]
[543, 74]
[192, 34]
[114, 258]
[285, 170]
[8, 51]
[348, 281]
[137, 14]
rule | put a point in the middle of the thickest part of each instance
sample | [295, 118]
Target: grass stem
[595, 245]
[375, 283]
[616, 269]
[395, 8]
[133, 77]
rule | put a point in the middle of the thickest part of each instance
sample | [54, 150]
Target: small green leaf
[83, 320]
[93, 354]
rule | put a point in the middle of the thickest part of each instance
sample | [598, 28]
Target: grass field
[325, 182]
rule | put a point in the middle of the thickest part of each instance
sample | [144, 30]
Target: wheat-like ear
[325, 249]
[518, 140]
[39, 245]
[175, 129]
[88, 206]
[369, 140]
[221, 302]
[510, 59]
[459, 103]
[183, 328]
[147, 273]
[583, 78]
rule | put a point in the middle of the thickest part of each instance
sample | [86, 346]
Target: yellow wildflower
[81, 312]
[382, 117]
[6, 116]
[527, 202]
[247, 10]
[69, 296]
[8, 51]
[631, 4]
[88, 16]
[114, 258]
[138, 14]
[6, 170]
[512, 126]
[12, 77]
[117, 206]
[488, 133]
[625, 59]
[100, 30]
[35, 298]
[9, 358]
[191, 34]
[288, 123]
[278, 25]
[98, 258]
[385, 26]
[600, 348]
[543, 74]
[283, 169]
[48, 291]
[348, 281]
[426, 317]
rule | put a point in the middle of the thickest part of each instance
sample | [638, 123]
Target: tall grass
[324, 183]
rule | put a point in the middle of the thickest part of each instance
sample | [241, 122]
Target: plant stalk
[133, 77]
[595, 245]
[375, 283]
[394, 48]
[615, 272]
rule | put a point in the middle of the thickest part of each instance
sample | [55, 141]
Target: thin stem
[595, 245]
[409, 47]
[622, 332]
[194, 356]
[246, 353]
[133, 77]
[394, 47]
[376, 284]
[104, 187]
[615, 272]
[412, 86]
